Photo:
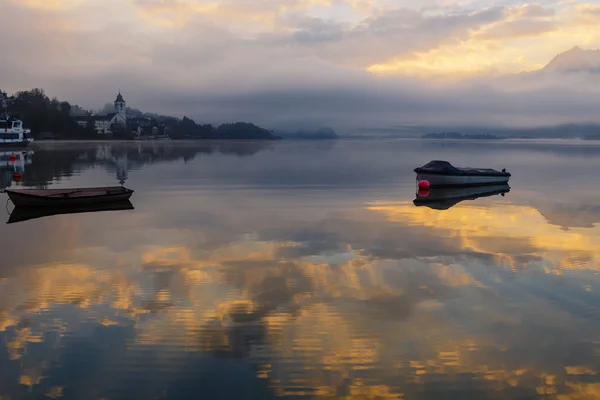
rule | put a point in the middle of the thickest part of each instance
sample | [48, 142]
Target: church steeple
[120, 107]
[119, 98]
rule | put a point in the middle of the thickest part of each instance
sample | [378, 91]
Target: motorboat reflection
[445, 198]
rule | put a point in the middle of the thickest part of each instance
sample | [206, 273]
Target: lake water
[303, 270]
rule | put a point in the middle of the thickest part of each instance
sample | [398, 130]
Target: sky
[308, 63]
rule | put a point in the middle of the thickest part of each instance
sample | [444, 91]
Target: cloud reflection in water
[319, 294]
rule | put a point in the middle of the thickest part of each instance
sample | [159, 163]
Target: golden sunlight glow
[240, 16]
[497, 229]
[515, 44]
[171, 14]
[581, 391]
[49, 5]
[464, 59]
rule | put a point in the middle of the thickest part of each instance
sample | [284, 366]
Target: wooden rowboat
[68, 197]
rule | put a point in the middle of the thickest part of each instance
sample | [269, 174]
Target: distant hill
[457, 135]
[319, 134]
[575, 59]
[564, 131]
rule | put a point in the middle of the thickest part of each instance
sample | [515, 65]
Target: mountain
[576, 59]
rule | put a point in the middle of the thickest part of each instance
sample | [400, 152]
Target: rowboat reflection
[445, 198]
[20, 214]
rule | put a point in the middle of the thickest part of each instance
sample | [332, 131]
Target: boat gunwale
[27, 193]
[78, 189]
[495, 173]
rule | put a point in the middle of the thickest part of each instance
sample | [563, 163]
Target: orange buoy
[13, 157]
[17, 177]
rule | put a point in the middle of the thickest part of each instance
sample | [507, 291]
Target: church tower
[120, 107]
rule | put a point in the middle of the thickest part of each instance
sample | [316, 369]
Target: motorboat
[13, 134]
[442, 173]
[21, 214]
[443, 198]
[68, 197]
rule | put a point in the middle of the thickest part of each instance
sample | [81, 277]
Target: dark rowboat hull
[21, 214]
[68, 197]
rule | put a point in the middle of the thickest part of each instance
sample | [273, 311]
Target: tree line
[45, 115]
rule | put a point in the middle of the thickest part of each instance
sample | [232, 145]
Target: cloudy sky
[343, 63]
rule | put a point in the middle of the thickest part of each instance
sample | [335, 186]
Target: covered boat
[444, 198]
[13, 134]
[442, 173]
[68, 197]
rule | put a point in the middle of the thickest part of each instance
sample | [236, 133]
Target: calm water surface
[303, 270]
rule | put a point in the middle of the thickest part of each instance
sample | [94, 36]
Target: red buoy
[423, 192]
[424, 184]
[13, 157]
[17, 177]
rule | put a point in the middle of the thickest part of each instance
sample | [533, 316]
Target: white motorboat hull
[461, 180]
[13, 134]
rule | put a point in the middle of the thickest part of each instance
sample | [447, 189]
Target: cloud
[483, 49]
[239, 16]
[51, 5]
[587, 13]
[534, 10]
[304, 62]
[527, 20]
[520, 28]
[175, 13]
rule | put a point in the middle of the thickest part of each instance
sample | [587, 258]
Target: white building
[103, 123]
[121, 163]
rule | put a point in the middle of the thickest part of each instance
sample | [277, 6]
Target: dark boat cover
[445, 168]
